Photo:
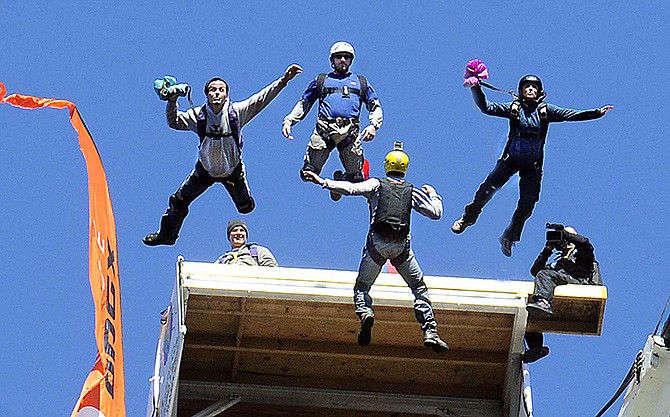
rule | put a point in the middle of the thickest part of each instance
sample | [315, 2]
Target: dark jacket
[581, 263]
[525, 142]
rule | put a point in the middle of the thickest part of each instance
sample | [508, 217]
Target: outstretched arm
[560, 114]
[249, 108]
[300, 110]
[343, 187]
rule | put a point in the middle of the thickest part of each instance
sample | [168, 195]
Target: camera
[555, 236]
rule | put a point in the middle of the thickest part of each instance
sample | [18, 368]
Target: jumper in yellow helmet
[396, 161]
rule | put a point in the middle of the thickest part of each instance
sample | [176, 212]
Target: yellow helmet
[396, 160]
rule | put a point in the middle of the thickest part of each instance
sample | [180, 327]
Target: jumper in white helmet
[340, 95]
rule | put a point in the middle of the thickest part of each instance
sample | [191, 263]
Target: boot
[534, 354]
[432, 340]
[506, 246]
[337, 176]
[538, 307]
[365, 335]
[460, 225]
[157, 238]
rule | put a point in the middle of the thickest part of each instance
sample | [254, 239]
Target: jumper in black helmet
[530, 79]
[529, 118]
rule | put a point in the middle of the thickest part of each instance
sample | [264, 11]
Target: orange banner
[104, 389]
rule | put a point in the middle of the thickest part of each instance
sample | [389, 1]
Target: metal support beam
[514, 375]
[219, 407]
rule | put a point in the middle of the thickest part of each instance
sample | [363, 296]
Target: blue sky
[607, 178]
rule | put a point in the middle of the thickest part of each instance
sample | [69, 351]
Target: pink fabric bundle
[475, 70]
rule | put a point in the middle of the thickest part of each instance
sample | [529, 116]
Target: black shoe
[432, 340]
[534, 354]
[460, 225]
[506, 246]
[539, 308]
[365, 335]
[155, 239]
[337, 176]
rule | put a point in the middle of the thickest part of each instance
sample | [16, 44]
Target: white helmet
[339, 47]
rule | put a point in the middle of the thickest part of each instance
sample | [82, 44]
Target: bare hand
[286, 131]
[368, 133]
[291, 72]
[605, 109]
[312, 177]
[428, 189]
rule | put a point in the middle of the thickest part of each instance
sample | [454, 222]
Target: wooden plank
[384, 333]
[469, 294]
[463, 372]
[417, 355]
[320, 400]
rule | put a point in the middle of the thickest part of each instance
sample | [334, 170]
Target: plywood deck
[294, 330]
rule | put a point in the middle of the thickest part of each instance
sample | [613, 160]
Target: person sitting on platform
[242, 252]
[574, 263]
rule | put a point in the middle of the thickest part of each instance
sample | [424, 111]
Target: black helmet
[532, 79]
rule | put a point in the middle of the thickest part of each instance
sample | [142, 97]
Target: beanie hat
[233, 224]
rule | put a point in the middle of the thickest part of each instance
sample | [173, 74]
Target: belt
[340, 121]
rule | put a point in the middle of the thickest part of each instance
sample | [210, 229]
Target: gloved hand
[167, 87]
[475, 71]
[180, 90]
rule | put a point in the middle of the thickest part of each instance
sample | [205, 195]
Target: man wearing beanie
[241, 252]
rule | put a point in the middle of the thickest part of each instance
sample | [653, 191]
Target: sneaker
[155, 239]
[337, 176]
[432, 340]
[534, 354]
[506, 246]
[365, 335]
[539, 308]
[460, 225]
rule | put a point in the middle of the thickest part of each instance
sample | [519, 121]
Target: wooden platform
[282, 342]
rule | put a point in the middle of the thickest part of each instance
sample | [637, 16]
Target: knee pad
[247, 207]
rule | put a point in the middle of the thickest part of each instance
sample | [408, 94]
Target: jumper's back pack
[394, 208]
[322, 91]
[236, 131]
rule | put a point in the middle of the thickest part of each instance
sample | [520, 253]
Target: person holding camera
[218, 124]
[574, 263]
